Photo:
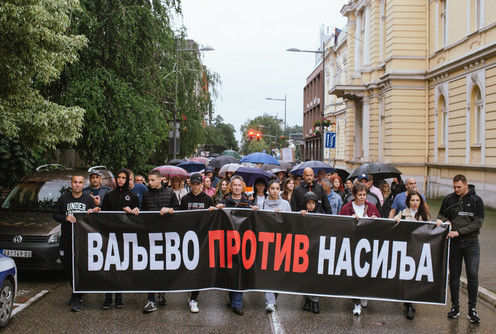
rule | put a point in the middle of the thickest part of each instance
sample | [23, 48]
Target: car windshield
[35, 195]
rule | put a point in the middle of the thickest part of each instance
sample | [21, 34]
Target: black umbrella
[379, 170]
[343, 174]
[222, 160]
[315, 165]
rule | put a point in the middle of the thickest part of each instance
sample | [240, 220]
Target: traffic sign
[330, 140]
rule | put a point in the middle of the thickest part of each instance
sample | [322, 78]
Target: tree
[126, 82]
[35, 48]
[270, 130]
[220, 136]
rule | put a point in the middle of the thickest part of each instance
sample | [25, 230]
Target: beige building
[414, 84]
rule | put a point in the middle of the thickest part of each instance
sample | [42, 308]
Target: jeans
[270, 298]
[236, 299]
[470, 251]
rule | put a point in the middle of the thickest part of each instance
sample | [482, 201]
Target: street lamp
[322, 52]
[275, 99]
[176, 127]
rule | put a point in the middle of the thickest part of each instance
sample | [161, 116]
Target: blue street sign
[330, 140]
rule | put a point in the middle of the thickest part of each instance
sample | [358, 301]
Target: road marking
[275, 323]
[22, 306]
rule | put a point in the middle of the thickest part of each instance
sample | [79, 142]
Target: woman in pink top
[207, 186]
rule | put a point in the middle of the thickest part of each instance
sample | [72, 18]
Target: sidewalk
[487, 267]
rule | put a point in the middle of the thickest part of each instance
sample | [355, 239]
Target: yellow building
[416, 87]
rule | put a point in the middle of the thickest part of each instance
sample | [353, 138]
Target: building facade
[415, 86]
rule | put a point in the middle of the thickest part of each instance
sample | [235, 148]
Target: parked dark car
[27, 231]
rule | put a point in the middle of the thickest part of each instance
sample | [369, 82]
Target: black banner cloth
[245, 250]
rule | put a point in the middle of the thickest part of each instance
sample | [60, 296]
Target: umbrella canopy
[213, 155]
[222, 160]
[250, 174]
[315, 165]
[192, 166]
[283, 165]
[379, 170]
[170, 171]
[231, 153]
[260, 158]
[205, 161]
[228, 168]
[277, 170]
[343, 174]
[176, 161]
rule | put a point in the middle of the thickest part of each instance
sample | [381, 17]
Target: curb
[484, 294]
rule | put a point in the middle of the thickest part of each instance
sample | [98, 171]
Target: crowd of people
[309, 193]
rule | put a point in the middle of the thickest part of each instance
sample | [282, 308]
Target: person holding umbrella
[309, 184]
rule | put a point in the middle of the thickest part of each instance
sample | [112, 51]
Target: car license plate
[17, 253]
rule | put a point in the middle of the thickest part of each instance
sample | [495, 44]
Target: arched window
[442, 122]
[476, 109]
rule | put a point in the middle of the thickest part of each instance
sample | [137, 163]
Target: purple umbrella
[249, 175]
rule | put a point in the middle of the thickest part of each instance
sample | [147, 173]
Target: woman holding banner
[275, 203]
[416, 209]
[359, 208]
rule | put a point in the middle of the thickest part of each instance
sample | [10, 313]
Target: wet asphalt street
[51, 314]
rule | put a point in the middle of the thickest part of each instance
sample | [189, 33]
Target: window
[476, 109]
[442, 123]
[444, 23]
[475, 15]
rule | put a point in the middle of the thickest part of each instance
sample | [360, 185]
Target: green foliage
[35, 48]
[220, 136]
[126, 82]
[17, 160]
[271, 132]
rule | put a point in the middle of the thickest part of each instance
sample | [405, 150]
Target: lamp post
[275, 99]
[176, 127]
[323, 84]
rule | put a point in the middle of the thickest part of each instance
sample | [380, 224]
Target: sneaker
[107, 304]
[193, 306]
[357, 310]
[118, 302]
[270, 308]
[472, 315]
[76, 307]
[364, 303]
[72, 300]
[161, 299]
[454, 313]
[150, 307]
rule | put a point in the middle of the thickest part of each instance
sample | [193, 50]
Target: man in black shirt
[158, 198]
[309, 184]
[465, 210]
[68, 203]
[120, 199]
[196, 199]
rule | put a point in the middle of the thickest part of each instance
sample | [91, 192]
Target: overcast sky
[250, 39]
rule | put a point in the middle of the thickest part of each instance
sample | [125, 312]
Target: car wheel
[6, 302]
